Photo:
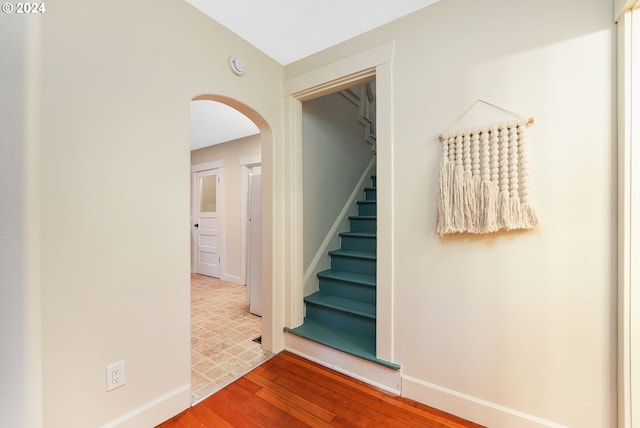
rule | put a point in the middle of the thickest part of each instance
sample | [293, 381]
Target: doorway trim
[628, 219]
[246, 163]
[359, 68]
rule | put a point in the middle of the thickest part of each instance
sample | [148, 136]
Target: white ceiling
[288, 30]
[214, 123]
[285, 30]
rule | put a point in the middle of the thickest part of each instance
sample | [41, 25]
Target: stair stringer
[322, 260]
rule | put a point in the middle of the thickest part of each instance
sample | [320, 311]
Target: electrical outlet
[115, 375]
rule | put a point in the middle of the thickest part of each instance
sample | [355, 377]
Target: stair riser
[348, 290]
[342, 320]
[364, 225]
[370, 194]
[358, 243]
[367, 209]
[351, 264]
[325, 322]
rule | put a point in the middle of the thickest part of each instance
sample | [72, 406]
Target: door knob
[196, 225]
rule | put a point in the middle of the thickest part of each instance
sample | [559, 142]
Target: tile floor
[222, 333]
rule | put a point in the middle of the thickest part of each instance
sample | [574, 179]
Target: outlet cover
[115, 375]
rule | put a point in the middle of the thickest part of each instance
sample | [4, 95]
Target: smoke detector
[237, 65]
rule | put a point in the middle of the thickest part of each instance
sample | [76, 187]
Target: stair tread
[354, 254]
[350, 343]
[342, 315]
[340, 303]
[359, 278]
[359, 234]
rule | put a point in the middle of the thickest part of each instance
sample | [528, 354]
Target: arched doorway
[223, 333]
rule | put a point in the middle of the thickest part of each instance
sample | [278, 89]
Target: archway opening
[230, 306]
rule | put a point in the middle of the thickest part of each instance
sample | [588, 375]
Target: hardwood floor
[289, 391]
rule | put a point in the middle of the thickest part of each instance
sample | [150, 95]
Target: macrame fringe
[444, 199]
[528, 216]
[458, 199]
[487, 219]
[469, 195]
[504, 217]
[468, 203]
[514, 214]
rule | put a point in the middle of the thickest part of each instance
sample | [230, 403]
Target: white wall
[12, 212]
[514, 329]
[231, 152]
[117, 81]
[334, 156]
[19, 302]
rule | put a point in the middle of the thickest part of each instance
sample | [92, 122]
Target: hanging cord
[526, 121]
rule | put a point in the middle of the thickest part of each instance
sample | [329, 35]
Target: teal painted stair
[342, 314]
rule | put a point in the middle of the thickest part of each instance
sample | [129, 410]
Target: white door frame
[375, 62]
[195, 169]
[629, 219]
[246, 163]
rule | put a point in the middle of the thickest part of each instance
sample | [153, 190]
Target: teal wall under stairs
[342, 314]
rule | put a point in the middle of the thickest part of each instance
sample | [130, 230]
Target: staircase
[342, 314]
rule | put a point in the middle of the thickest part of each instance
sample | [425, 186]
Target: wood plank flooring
[289, 391]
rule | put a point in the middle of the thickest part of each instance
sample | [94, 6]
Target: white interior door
[207, 251]
[254, 263]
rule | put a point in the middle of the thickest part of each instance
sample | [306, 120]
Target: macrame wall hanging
[484, 178]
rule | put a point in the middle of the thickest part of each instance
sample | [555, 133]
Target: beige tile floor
[222, 333]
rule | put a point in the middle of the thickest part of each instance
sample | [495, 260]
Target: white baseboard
[471, 408]
[374, 374]
[231, 278]
[155, 411]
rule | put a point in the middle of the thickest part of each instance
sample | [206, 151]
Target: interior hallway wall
[117, 82]
[231, 152]
[515, 329]
[335, 154]
[20, 404]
